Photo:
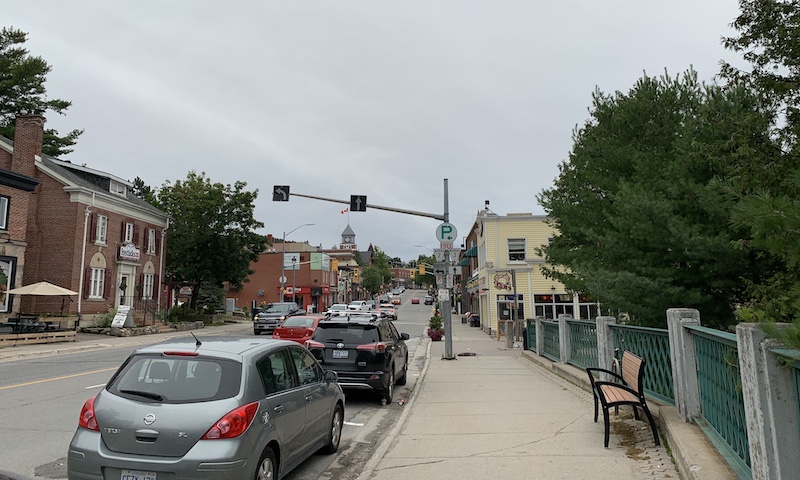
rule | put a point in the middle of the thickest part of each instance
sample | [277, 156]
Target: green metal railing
[531, 332]
[791, 357]
[721, 402]
[552, 344]
[652, 344]
[583, 343]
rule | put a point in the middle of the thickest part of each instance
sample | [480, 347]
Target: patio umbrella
[41, 288]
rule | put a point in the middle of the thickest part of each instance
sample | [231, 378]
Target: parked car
[365, 350]
[428, 300]
[336, 307]
[298, 328]
[222, 408]
[358, 306]
[388, 310]
[271, 317]
[415, 300]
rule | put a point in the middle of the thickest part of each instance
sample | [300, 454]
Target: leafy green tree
[768, 37]
[211, 234]
[427, 280]
[377, 274]
[22, 90]
[143, 191]
[643, 223]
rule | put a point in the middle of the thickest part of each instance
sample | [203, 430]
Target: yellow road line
[57, 378]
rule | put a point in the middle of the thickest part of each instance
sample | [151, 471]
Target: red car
[298, 328]
[415, 300]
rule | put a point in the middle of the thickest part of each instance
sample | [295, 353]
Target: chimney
[28, 139]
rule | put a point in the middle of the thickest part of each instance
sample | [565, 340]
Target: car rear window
[298, 322]
[177, 379]
[360, 334]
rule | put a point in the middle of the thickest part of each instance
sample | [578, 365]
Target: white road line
[354, 424]
[95, 386]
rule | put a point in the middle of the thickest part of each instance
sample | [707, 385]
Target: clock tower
[348, 239]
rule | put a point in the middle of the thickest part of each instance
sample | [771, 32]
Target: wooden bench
[627, 389]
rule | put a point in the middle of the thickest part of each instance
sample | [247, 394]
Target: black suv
[365, 350]
[270, 318]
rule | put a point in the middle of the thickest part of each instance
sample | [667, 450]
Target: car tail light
[378, 347]
[87, 419]
[312, 344]
[309, 332]
[276, 334]
[233, 424]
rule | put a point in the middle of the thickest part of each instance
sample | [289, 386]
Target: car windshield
[277, 308]
[298, 322]
[338, 307]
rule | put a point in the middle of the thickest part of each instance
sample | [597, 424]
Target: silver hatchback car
[216, 408]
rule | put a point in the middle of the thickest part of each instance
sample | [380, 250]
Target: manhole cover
[467, 354]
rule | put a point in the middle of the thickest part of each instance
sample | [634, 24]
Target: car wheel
[335, 433]
[267, 466]
[401, 380]
[389, 392]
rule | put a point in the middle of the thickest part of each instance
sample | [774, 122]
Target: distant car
[428, 300]
[270, 318]
[298, 328]
[365, 350]
[358, 306]
[223, 408]
[337, 307]
[384, 298]
[388, 310]
[415, 300]
[396, 300]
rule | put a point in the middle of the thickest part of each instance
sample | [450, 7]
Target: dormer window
[117, 188]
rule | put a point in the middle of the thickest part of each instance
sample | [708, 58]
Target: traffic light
[422, 269]
[355, 275]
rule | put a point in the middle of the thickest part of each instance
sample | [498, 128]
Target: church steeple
[348, 239]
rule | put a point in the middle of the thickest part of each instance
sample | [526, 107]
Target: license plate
[341, 354]
[137, 475]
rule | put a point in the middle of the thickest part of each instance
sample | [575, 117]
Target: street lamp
[423, 246]
[283, 260]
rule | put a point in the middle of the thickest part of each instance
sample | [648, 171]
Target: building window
[102, 229]
[128, 233]
[117, 188]
[4, 203]
[147, 286]
[97, 283]
[151, 240]
[516, 249]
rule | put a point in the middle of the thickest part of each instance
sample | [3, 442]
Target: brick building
[76, 227]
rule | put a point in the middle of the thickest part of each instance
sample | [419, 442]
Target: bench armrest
[601, 370]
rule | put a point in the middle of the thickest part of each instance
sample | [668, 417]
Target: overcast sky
[337, 98]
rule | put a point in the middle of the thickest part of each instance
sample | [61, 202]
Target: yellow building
[502, 272]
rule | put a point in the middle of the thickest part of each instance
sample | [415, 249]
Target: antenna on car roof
[197, 341]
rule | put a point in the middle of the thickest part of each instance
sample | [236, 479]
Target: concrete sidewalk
[497, 414]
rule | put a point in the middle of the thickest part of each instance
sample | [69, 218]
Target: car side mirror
[331, 376]
[404, 336]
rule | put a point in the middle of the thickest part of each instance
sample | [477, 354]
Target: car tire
[267, 466]
[335, 433]
[389, 392]
[401, 380]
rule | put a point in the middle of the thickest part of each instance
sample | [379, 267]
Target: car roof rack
[351, 315]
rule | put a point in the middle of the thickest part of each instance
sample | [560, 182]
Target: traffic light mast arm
[369, 205]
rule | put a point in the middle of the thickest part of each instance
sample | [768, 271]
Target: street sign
[446, 245]
[280, 193]
[448, 281]
[446, 232]
[282, 280]
[358, 203]
[444, 295]
[438, 254]
[440, 280]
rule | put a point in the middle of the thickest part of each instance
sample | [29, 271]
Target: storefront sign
[129, 252]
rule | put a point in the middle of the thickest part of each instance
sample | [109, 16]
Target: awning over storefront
[464, 262]
[472, 252]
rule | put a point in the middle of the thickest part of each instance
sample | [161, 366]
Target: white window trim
[129, 233]
[148, 279]
[151, 240]
[4, 212]
[97, 283]
[101, 234]
[524, 250]
[117, 188]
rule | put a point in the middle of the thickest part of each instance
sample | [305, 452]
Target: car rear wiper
[138, 393]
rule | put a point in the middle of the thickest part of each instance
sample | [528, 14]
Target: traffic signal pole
[446, 304]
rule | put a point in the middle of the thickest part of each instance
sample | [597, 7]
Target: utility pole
[447, 304]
